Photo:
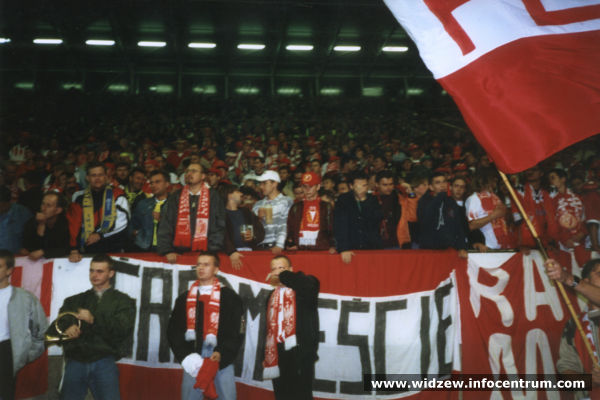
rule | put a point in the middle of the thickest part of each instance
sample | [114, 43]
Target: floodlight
[299, 47]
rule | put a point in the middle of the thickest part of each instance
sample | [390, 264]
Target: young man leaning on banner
[204, 334]
[292, 331]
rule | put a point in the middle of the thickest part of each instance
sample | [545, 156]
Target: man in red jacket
[310, 221]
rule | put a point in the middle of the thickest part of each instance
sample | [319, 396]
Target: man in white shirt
[22, 326]
[273, 211]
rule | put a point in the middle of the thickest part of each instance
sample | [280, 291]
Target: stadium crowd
[91, 174]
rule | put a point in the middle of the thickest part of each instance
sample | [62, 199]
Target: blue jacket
[12, 224]
[142, 221]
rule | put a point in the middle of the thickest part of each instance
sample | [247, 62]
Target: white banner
[417, 333]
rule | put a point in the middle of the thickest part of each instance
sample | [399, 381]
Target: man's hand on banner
[36, 255]
[171, 257]
[236, 260]
[276, 250]
[480, 247]
[347, 256]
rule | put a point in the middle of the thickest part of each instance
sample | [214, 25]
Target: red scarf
[311, 222]
[489, 201]
[183, 236]
[537, 211]
[288, 329]
[211, 313]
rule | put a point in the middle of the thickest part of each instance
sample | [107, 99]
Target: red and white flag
[524, 73]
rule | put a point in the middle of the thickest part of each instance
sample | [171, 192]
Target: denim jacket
[142, 221]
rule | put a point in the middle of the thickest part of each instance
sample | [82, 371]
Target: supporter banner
[524, 73]
[386, 312]
[408, 333]
[514, 317]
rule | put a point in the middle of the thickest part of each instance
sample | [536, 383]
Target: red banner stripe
[370, 274]
[17, 276]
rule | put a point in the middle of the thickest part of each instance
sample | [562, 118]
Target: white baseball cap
[269, 176]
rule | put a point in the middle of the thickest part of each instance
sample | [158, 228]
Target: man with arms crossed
[292, 331]
[107, 319]
[204, 333]
[22, 326]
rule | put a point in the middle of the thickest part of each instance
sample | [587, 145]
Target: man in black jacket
[441, 221]
[192, 222]
[356, 219]
[194, 336]
[292, 331]
[47, 233]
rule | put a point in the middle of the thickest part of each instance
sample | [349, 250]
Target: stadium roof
[103, 44]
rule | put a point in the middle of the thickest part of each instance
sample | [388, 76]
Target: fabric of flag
[524, 73]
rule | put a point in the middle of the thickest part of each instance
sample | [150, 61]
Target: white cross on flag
[524, 73]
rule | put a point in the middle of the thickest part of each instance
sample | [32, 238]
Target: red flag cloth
[205, 380]
[524, 74]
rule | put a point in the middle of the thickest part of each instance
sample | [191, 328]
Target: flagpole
[561, 288]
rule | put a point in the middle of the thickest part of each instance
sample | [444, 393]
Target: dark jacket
[56, 239]
[392, 211]
[473, 236]
[32, 198]
[441, 223]
[112, 330]
[229, 337]
[142, 221]
[307, 314]
[249, 219]
[325, 237]
[168, 221]
[357, 228]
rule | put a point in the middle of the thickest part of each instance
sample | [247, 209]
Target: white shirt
[475, 211]
[206, 290]
[4, 298]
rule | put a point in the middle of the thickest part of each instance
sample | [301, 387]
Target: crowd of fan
[295, 175]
